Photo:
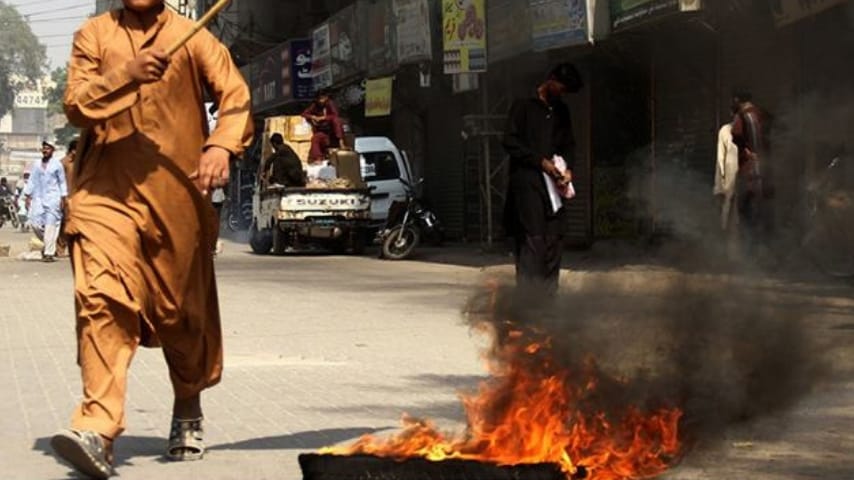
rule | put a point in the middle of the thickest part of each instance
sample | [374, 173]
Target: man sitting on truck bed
[327, 130]
[284, 166]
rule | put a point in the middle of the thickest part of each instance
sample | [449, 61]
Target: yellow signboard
[464, 35]
[378, 97]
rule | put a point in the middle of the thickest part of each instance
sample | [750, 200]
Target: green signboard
[626, 13]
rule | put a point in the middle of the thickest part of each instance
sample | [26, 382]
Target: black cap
[568, 75]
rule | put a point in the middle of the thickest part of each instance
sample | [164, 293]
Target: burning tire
[362, 467]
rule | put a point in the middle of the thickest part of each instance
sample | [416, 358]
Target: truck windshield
[379, 166]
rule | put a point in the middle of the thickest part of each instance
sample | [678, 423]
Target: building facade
[184, 7]
[659, 80]
[23, 130]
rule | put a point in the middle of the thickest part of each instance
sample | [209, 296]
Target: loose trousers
[538, 262]
[47, 234]
[111, 294]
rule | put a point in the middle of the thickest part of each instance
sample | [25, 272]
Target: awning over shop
[628, 13]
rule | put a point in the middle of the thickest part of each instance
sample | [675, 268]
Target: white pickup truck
[337, 219]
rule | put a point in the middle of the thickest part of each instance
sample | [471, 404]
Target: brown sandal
[185, 440]
[85, 451]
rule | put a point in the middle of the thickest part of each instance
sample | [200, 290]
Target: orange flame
[532, 412]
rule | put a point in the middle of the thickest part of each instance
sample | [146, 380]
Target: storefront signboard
[346, 54]
[378, 97]
[280, 74]
[627, 13]
[412, 18]
[509, 29]
[321, 60]
[464, 35]
[558, 23]
[381, 37]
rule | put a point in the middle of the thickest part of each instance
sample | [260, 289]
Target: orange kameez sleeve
[234, 126]
[91, 96]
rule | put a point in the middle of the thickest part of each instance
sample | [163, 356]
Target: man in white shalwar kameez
[726, 170]
[46, 193]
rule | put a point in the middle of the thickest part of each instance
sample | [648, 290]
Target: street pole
[487, 166]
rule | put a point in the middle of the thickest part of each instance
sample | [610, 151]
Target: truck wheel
[279, 240]
[358, 240]
[397, 246]
[359, 245]
[261, 241]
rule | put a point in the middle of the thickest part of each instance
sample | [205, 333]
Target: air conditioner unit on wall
[690, 5]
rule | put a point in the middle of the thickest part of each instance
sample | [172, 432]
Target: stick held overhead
[200, 24]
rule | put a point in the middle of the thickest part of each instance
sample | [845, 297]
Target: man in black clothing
[284, 166]
[538, 129]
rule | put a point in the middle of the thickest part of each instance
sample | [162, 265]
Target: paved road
[321, 349]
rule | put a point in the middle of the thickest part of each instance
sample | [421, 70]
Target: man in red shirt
[754, 187]
[328, 132]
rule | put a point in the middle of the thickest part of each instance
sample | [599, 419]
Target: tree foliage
[22, 57]
[54, 95]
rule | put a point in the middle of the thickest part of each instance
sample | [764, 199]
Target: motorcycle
[238, 213]
[409, 222]
[828, 235]
[8, 211]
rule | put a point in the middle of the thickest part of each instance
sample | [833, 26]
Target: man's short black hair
[277, 139]
[742, 95]
[323, 92]
[72, 145]
[568, 75]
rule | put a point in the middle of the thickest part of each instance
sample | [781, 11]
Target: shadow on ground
[312, 440]
[127, 448]
[130, 446]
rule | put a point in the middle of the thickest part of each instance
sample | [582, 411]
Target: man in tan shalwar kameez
[141, 225]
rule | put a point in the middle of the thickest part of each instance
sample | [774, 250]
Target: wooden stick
[200, 24]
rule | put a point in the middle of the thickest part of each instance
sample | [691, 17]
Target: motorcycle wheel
[233, 222]
[397, 246]
[15, 222]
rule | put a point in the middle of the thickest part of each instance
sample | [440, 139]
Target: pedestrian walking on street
[45, 194]
[141, 226]
[538, 136]
[21, 201]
